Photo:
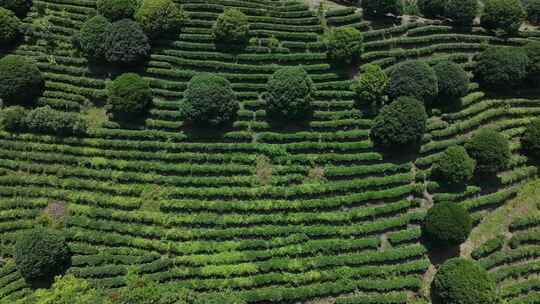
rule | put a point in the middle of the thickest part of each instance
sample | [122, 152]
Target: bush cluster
[10, 27]
[461, 12]
[400, 123]
[532, 8]
[413, 78]
[128, 94]
[502, 67]
[13, 119]
[382, 7]
[455, 167]
[490, 149]
[461, 281]
[343, 44]
[21, 81]
[91, 37]
[19, 7]
[531, 139]
[116, 10]
[48, 121]
[232, 26]
[370, 86]
[40, 254]
[505, 16]
[210, 99]
[160, 17]
[447, 224]
[125, 43]
[289, 93]
[452, 80]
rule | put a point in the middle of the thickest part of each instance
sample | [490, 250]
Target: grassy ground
[497, 222]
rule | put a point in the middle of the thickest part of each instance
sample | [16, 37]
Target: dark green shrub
[461, 281]
[289, 93]
[10, 27]
[490, 149]
[19, 7]
[447, 224]
[413, 78]
[116, 10]
[452, 79]
[210, 99]
[502, 67]
[462, 12]
[13, 118]
[532, 49]
[128, 94]
[41, 254]
[503, 16]
[126, 43]
[455, 167]
[21, 81]
[382, 7]
[531, 139]
[344, 43]
[232, 26]
[159, 17]
[532, 8]
[432, 8]
[370, 87]
[400, 123]
[48, 121]
[91, 37]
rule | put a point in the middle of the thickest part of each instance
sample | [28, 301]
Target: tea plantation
[268, 151]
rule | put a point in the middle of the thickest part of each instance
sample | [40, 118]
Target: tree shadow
[400, 155]
[207, 132]
[437, 253]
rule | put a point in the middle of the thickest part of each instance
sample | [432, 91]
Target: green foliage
[502, 67]
[453, 80]
[10, 27]
[91, 37]
[503, 15]
[432, 8]
[461, 281]
[462, 12]
[531, 139]
[68, 290]
[454, 167]
[48, 121]
[447, 224]
[289, 93]
[344, 43]
[159, 17]
[413, 78]
[532, 49]
[128, 94]
[116, 10]
[21, 81]
[41, 253]
[13, 118]
[19, 7]
[210, 99]
[221, 298]
[490, 149]
[382, 7]
[126, 43]
[232, 26]
[370, 87]
[532, 8]
[400, 123]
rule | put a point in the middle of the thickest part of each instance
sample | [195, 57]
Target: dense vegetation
[273, 151]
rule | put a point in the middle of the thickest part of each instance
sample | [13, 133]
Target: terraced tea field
[276, 214]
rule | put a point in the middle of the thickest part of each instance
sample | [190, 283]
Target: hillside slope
[193, 209]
